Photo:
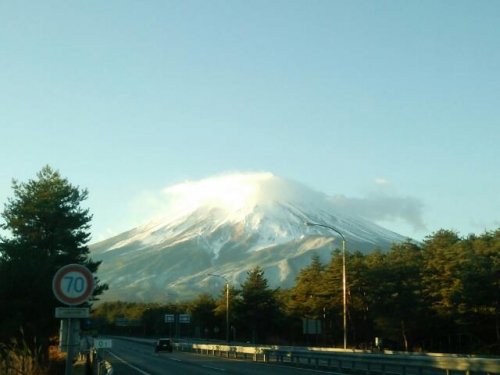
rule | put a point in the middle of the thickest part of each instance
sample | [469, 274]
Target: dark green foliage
[257, 311]
[202, 314]
[441, 295]
[395, 293]
[46, 229]
[308, 297]
[461, 284]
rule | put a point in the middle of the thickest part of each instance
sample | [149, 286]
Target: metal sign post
[183, 320]
[69, 353]
[100, 344]
[170, 319]
[72, 285]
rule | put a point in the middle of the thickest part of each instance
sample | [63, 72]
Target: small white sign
[72, 312]
[103, 343]
[184, 318]
[169, 318]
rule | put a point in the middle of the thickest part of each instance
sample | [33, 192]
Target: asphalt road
[130, 358]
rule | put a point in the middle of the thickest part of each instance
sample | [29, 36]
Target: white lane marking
[306, 369]
[129, 365]
[214, 368]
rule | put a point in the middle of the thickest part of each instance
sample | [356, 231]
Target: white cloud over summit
[383, 207]
[243, 190]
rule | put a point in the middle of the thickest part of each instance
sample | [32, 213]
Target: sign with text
[103, 343]
[311, 326]
[72, 312]
[73, 284]
[169, 318]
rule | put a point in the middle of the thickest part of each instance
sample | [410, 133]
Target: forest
[440, 295]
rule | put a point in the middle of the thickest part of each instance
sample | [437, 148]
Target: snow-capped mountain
[227, 225]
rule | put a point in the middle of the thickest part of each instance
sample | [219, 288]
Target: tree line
[438, 295]
[442, 294]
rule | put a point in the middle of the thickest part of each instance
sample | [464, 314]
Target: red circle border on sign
[56, 284]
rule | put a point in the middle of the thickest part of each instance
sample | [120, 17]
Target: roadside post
[170, 319]
[183, 320]
[72, 285]
[100, 344]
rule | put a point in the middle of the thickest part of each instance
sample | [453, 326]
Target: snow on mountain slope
[228, 225]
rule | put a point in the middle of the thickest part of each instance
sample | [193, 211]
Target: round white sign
[73, 284]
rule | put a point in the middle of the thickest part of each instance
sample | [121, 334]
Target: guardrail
[388, 363]
[350, 361]
[105, 368]
[99, 366]
[353, 362]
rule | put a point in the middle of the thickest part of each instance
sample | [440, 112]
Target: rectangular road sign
[72, 312]
[103, 343]
[169, 318]
[184, 318]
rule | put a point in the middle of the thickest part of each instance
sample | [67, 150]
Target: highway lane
[130, 358]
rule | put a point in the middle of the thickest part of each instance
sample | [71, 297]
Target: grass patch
[20, 358]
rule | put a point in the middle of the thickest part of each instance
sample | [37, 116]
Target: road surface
[130, 358]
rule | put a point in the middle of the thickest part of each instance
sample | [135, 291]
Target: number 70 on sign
[73, 284]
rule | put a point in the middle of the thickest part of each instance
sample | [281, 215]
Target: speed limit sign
[73, 284]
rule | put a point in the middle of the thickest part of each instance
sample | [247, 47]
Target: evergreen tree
[333, 288]
[477, 300]
[442, 253]
[482, 287]
[258, 311]
[309, 297]
[358, 306]
[46, 229]
[445, 260]
[202, 315]
[395, 293]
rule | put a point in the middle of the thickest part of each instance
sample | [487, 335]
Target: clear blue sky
[393, 105]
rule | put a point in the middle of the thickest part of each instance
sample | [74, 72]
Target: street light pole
[227, 303]
[344, 281]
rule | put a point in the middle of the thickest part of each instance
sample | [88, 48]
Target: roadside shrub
[17, 358]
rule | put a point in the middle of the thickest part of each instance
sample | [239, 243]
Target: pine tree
[395, 293]
[202, 315]
[258, 311]
[308, 296]
[46, 229]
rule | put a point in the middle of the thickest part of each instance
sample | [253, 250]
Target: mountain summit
[227, 225]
